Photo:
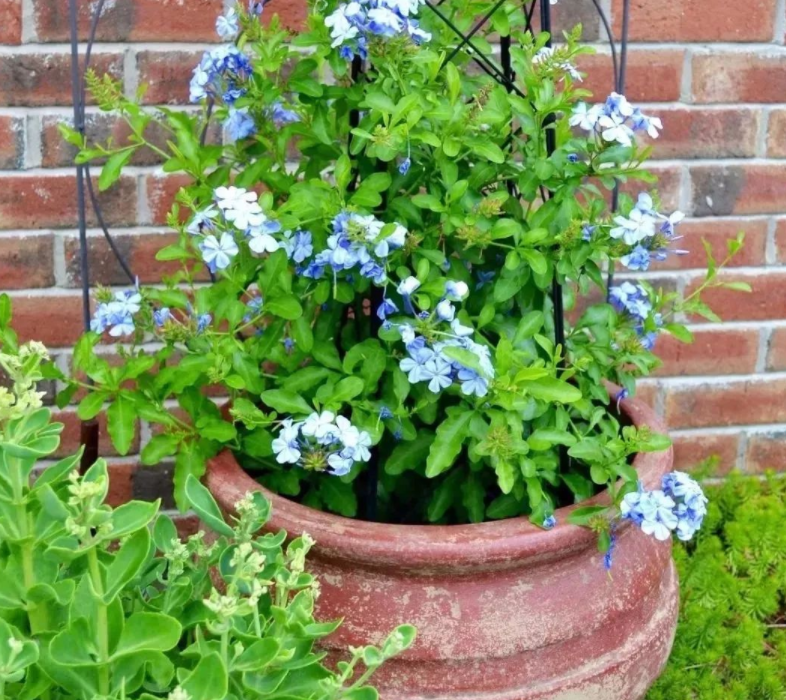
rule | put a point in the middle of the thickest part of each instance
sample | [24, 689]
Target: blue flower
[161, 316]
[203, 221]
[445, 311]
[691, 503]
[256, 7]
[203, 321]
[573, 158]
[609, 555]
[239, 124]
[385, 413]
[637, 259]
[414, 365]
[386, 308]
[117, 315]
[632, 299]
[289, 344]
[652, 511]
[218, 253]
[298, 245]
[281, 116]
[484, 278]
[405, 165]
[438, 373]
[254, 307]
[227, 25]
[472, 383]
[550, 523]
[456, 290]
[586, 232]
[221, 74]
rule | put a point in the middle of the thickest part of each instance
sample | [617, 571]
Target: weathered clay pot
[504, 610]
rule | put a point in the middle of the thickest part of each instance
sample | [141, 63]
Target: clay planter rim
[429, 548]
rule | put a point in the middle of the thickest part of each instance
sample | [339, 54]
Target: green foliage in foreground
[731, 640]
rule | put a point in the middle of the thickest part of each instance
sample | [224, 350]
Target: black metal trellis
[503, 74]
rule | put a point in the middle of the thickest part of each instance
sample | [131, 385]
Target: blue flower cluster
[221, 74]
[427, 342]
[240, 124]
[352, 25]
[356, 243]
[679, 506]
[649, 233]
[322, 442]
[236, 208]
[633, 300]
[117, 315]
[616, 120]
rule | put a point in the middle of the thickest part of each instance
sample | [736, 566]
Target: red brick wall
[714, 71]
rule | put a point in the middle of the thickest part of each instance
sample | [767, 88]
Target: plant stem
[103, 622]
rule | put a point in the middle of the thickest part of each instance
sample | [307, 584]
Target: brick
[698, 20]
[776, 134]
[739, 77]
[10, 22]
[26, 261]
[44, 80]
[718, 232]
[776, 352]
[293, 13]
[766, 301]
[738, 189]
[741, 402]
[161, 191]
[565, 17]
[137, 249]
[668, 186]
[70, 437]
[12, 143]
[121, 482]
[765, 452]
[99, 128]
[713, 351]
[653, 75]
[167, 75]
[151, 483]
[648, 393]
[780, 239]
[56, 321]
[706, 133]
[693, 448]
[49, 201]
[131, 20]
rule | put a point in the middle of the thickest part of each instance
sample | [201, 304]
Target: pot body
[504, 610]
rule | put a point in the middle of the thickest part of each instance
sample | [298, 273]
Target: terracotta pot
[504, 610]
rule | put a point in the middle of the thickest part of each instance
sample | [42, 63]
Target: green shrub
[731, 639]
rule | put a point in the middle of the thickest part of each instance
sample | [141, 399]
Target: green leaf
[259, 655]
[159, 447]
[550, 389]
[488, 150]
[338, 496]
[346, 390]
[465, 357]
[132, 516]
[113, 167]
[285, 402]
[286, 307]
[582, 516]
[448, 443]
[121, 420]
[127, 563]
[208, 681]
[147, 631]
[205, 506]
[409, 455]
[679, 332]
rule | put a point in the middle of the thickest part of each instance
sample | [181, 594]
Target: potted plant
[369, 271]
[113, 604]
